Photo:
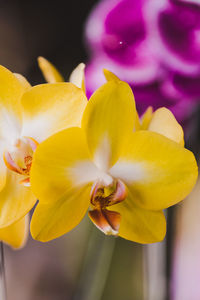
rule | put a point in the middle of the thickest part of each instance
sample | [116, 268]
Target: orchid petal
[24, 82]
[11, 91]
[164, 122]
[158, 172]
[140, 225]
[61, 178]
[49, 71]
[146, 118]
[60, 163]
[77, 76]
[49, 108]
[3, 169]
[51, 220]
[16, 200]
[107, 120]
[16, 234]
[110, 75]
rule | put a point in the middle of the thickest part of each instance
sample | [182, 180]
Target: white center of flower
[18, 156]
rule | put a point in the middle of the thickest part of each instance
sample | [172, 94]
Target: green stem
[96, 267]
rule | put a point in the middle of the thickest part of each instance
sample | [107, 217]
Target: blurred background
[48, 28]
[155, 46]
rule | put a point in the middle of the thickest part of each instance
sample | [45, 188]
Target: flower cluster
[75, 156]
[151, 44]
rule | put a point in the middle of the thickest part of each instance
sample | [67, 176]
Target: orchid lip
[102, 197]
[106, 220]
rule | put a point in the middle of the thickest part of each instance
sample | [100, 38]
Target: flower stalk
[96, 267]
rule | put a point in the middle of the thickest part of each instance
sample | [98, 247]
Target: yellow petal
[110, 75]
[3, 169]
[16, 234]
[158, 171]
[107, 120]
[140, 225]
[164, 122]
[51, 220]
[146, 118]
[11, 91]
[16, 200]
[49, 71]
[60, 163]
[77, 76]
[23, 81]
[49, 108]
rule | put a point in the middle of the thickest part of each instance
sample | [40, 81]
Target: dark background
[53, 29]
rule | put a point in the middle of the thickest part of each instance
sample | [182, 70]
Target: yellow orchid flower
[28, 115]
[125, 177]
[52, 75]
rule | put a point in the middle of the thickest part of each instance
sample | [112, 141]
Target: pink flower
[139, 41]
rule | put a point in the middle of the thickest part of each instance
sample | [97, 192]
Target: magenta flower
[153, 45]
[179, 28]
